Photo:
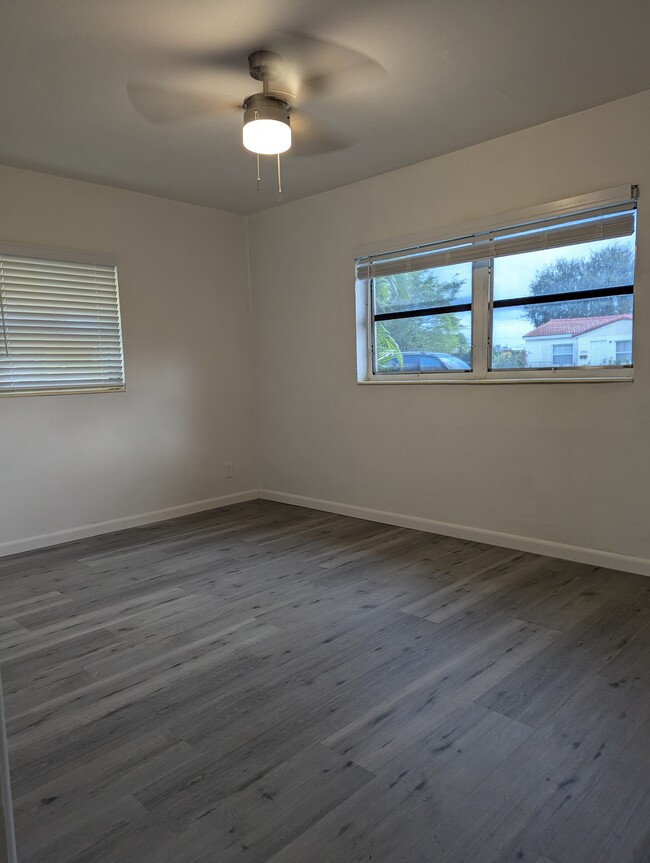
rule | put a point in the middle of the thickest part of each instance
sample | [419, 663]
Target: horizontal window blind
[602, 224]
[59, 326]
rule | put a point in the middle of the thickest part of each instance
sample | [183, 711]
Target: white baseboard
[591, 556]
[46, 539]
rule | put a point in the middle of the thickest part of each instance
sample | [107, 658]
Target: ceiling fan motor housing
[260, 106]
[264, 65]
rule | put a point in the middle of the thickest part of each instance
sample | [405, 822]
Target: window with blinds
[528, 299]
[59, 326]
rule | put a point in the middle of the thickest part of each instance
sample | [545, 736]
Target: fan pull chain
[257, 156]
[259, 178]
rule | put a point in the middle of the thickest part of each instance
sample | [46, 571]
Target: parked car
[424, 361]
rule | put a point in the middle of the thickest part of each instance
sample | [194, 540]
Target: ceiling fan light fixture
[267, 137]
[267, 129]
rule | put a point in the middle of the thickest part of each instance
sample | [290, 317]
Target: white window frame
[69, 257]
[481, 301]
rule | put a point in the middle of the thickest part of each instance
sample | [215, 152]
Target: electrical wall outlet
[227, 469]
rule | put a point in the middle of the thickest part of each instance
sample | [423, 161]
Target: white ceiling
[456, 72]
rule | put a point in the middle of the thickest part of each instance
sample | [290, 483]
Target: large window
[550, 297]
[59, 325]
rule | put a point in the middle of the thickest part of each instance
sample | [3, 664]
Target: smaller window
[423, 320]
[562, 355]
[624, 353]
[59, 325]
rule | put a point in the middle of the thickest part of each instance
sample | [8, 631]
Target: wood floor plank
[84, 838]
[446, 765]
[35, 765]
[272, 683]
[8, 625]
[15, 646]
[103, 698]
[536, 690]
[420, 709]
[611, 822]
[380, 822]
[266, 815]
[99, 782]
[529, 798]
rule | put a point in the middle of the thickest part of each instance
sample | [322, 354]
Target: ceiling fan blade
[311, 139]
[325, 67]
[296, 44]
[342, 81]
[309, 66]
[291, 45]
[162, 105]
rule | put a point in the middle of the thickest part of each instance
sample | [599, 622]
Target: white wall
[75, 460]
[563, 464]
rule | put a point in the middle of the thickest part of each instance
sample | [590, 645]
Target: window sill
[551, 378]
[16, 394]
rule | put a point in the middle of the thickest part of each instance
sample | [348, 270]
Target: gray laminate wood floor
[268, 683]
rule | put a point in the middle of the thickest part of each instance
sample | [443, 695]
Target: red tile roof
[574, 326]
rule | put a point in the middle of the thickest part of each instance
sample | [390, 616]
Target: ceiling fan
[303, 69]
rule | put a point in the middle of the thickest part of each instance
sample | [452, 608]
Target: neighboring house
[596, 341]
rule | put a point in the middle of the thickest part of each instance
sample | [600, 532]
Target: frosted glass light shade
[267, 137]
